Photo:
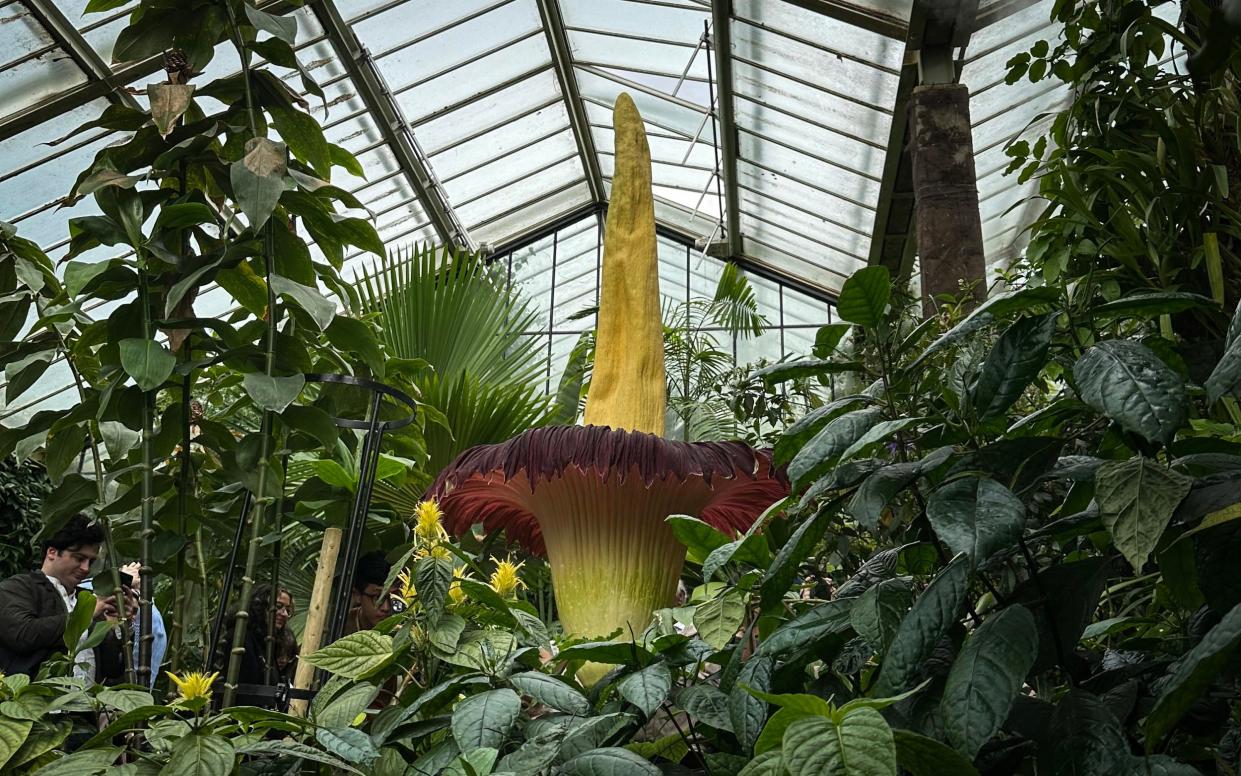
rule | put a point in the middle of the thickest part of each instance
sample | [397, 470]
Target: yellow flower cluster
[193, 686]
[505, 579]
[429, 522]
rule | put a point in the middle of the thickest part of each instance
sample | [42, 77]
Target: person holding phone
[35, 607]
[159, 645]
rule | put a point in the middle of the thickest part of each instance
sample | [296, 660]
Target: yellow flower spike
[440, 552]
[429, 525]
[407, 592]
[505, 580]
[193, 686]
[628, 389]
[456, 595]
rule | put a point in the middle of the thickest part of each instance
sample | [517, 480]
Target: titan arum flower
[595, 498]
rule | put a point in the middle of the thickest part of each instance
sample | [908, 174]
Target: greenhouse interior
[620, 387]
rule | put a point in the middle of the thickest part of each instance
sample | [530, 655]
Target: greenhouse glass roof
[776, 130]
[776, 126]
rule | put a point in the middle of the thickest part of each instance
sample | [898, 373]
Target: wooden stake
[316, 615]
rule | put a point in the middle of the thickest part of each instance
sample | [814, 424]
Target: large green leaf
[356, 656]
[83, 762]
[858, 744]
[147, 361]
[1136, 500]
[258, 179]
[551, 691]
[769, 763]
[484, 720]
[1225, 379]
[1151, 305]
[826, 619]
[43, 738]
[609, 761]
[345, 707]
[747, 712]
[717, 620]
[706, 704]
[779, 576]
[320, 308]
[349, 744]
[923, 756]
[797, 435]
[976, 516]
[273, 393]
[864, 296]
[1192, 675]
[877, 613]
[1127, 382]
[1016, 359]
[648, 688]
[13, 733]
[997, 306]
[825, 448]
[986, 676]
[932, 614]
[202, 754]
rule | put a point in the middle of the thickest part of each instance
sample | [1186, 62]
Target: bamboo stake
[316, 614]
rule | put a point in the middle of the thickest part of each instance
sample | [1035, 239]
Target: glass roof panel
[461, 44]
[519, 164]
[668, 58]
[494, 109]
[645, 20]
[482, 148]
[547, 208]
[32, 68]
[823, 30]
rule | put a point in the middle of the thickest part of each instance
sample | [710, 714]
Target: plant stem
[145, 585]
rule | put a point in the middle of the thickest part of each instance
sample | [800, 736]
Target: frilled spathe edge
[544, 453]
[726, 484]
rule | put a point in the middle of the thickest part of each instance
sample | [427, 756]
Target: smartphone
[127, 580]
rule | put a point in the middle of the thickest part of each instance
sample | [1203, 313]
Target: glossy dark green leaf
[283, 27]
[1014, 361]
[923, 756]
[355, 656]
[304, 137]
[484, 720]
[719, 619]
[779, 576]
[796, 435]
[1192, 675]
[859, 743]
[877, 613]
[551, 691]
[828, 338]
[1127, 382]
[707, 705]
[182, 215]
[314, 422]
[1136, 500]
[273, 393]
[996, 307]
[1151, 305]
[320, 308]
[1225, 378]
[349, 744]
[647, 689]
[609, 761]
[976, 516]
[747, 712]
[792, 370]
[816, 623]
[202, 754]
[147, 361]
[864, 296]
[986, 676]
[358, 337]
[825, 448]
[933, 613]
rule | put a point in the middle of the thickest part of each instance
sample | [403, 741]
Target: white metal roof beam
[392, 124]
[867, 19]
[83, 54]
[562, 59]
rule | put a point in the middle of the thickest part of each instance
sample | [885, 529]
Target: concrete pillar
[945, 185]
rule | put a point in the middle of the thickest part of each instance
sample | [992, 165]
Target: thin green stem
[145, 586]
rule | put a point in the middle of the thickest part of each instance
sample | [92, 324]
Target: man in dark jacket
[35, 607]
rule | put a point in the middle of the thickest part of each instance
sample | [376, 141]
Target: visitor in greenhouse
[35, 607]
[263, 614]
[159, 642]
[371, 603]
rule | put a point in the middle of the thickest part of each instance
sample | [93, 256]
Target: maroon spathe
[495, 485]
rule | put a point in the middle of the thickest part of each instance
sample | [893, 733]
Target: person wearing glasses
[371, 603]
[254, 665]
